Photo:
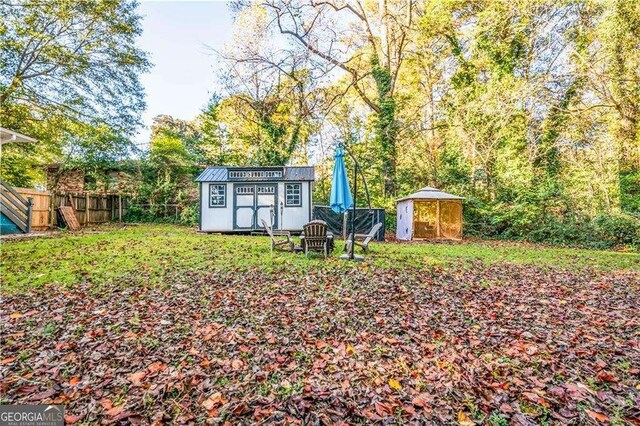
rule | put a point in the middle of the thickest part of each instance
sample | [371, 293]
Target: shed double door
[253, 202]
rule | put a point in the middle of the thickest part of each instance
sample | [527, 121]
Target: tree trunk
[386, 126]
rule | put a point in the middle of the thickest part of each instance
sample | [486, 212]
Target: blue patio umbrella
[341, 199]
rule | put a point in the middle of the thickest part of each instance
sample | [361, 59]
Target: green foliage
[69, 78]
[385, 124]
[190, 215]
[169, 155]
[18, 166]
[137, 214]
[390, 222]
[616, 230]
[187, 132]
[260, 132]
[181, 214]
[211, 147]
[165, 191]
[168, 171]
[504, 104]
[528, 222]
[630, 192]
[78, 57]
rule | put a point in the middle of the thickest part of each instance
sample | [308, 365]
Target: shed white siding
[252, 194]
[216, 219]
[220, 219]
[404, 227]
[294, 218]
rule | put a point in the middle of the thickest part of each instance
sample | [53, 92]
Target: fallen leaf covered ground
[476, 343]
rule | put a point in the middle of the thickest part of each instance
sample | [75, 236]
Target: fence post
[119, 208]
[52, 208]
[29, 206]
[87, 198]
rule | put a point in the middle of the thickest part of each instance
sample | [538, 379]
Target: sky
[176, 35]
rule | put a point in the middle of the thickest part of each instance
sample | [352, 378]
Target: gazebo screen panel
[425, 219]
[451, 219]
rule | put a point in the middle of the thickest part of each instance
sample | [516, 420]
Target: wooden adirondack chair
[273, 233]
[315, 237]
[364, 239]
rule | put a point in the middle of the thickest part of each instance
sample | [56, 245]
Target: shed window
[218, 195]
[293, 192]
[244, 190]
[266, 190]
[255, 174]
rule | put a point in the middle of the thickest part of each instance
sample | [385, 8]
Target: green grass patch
[149, 254]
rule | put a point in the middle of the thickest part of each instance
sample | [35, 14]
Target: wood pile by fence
[90, 208]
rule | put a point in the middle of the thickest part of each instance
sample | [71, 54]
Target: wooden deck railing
[15, 207]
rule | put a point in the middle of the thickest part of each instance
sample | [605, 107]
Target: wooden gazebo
[429, 213]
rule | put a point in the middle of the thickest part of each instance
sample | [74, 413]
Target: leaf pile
[499, 344]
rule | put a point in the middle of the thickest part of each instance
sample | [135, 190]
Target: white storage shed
[429, 213]
[235, 199]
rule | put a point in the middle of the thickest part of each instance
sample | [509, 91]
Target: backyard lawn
[160, 324]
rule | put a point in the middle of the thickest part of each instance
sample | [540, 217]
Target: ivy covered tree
[369, 41]
[269, 99]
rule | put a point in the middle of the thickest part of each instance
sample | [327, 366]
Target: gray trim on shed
[200, 207]
[255, 225]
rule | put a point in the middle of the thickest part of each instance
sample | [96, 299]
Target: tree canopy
[528, 108]
[69, 76]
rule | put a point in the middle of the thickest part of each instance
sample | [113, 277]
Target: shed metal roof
[220, 173]
[299, 173]
[213, 174]
[429, 193]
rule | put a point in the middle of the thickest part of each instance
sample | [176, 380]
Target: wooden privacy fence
[40, 205]
[93, 208]
[89, 208]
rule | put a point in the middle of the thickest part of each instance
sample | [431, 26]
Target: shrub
[137, 214]
[618, 230]
[530, 223]
[189, 215]
[390, 221]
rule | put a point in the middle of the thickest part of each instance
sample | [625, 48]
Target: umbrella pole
[345, 217]
[351, 254]
[353, 215]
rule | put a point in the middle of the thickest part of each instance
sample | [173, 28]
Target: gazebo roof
[429, 193]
